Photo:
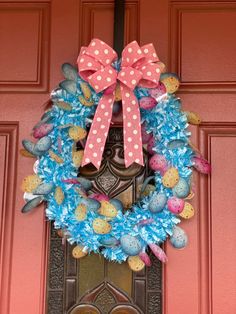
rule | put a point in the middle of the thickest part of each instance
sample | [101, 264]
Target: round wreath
[93, 221]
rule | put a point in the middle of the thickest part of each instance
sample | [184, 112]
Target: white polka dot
[133, 82]
[110, 71]
[133, 102]
[81, 60]
[106, 51]
[103, 106]
[102, 126]
[130, 154]
[129, 139]
[127, 95]
[135, 117]
[145, 50]
[149, 73]
[105, 134]
[139, 52]
[122, 73]
[108, 79]
[125, 82]
[136, 146]
[101, 148]
[106, 113]
[135, 59]
[127, 59]
[124, 132]
[95, 131]
[137, 160]
[87, 160]
[90, 145]
[96, 87]
[99, 140]
[95, 154]
[158, 70]
[154, 55]
[107, 61]
[144, 67]
[89, 64]
[93, 43]
[131, 72]
[99, 77]
[129, 124]
[102, 42]
[96, 52]
[130, 50]
[110, 101]
[99, 119]
[135, 131]
[128, 109]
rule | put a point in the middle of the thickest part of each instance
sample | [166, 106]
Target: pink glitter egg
[157, 162]
[175, 205]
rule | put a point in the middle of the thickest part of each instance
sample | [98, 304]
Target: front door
[195, 39]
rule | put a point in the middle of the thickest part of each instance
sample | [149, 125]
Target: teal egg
[69, 86]
[44, 189]
[176, 144]
[130, 245]
[181, 189]
[109, 241]
[69, 72]
[157, 202]
[32, 204]
[91, 204]
[179, 238]
[86, 184]
[29, 146]
[117, 204]
[43, 145]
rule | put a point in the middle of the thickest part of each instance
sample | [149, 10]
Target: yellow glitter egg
[85, 90]
[117, 93]
[59, 195]
[148, 189]
[188, 211]
[135, 263]
[193, 117]
[107, 209]
[190, 196]
[64, 105]
[170, 178]
[25, 153]
[79, 251]
[30, 183]
[85, 102]
[101, 226]
[171, 82]
[77, 133]
[55, 157]
[81, 212]
[77, 157]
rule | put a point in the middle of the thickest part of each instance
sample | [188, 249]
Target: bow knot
[138, 68]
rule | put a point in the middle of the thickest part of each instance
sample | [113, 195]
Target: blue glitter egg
[43, 145]
[181, 189]
[91, 204]
[44, 189]
[130, 245]
[109, 241]
[179, 238]
[157, 202]
[117, 204]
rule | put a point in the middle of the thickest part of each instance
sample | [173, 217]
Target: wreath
[72, 133]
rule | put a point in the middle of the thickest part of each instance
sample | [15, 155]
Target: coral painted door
[195, 39]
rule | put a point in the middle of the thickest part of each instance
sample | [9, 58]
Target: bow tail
[133, 148]
[98, 132]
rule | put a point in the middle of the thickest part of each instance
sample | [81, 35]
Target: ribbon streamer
[138, 68]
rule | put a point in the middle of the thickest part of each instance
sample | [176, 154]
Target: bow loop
[131, 54]
[103, 78]
[101, 52]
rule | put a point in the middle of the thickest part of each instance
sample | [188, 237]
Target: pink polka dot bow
[137, 68]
